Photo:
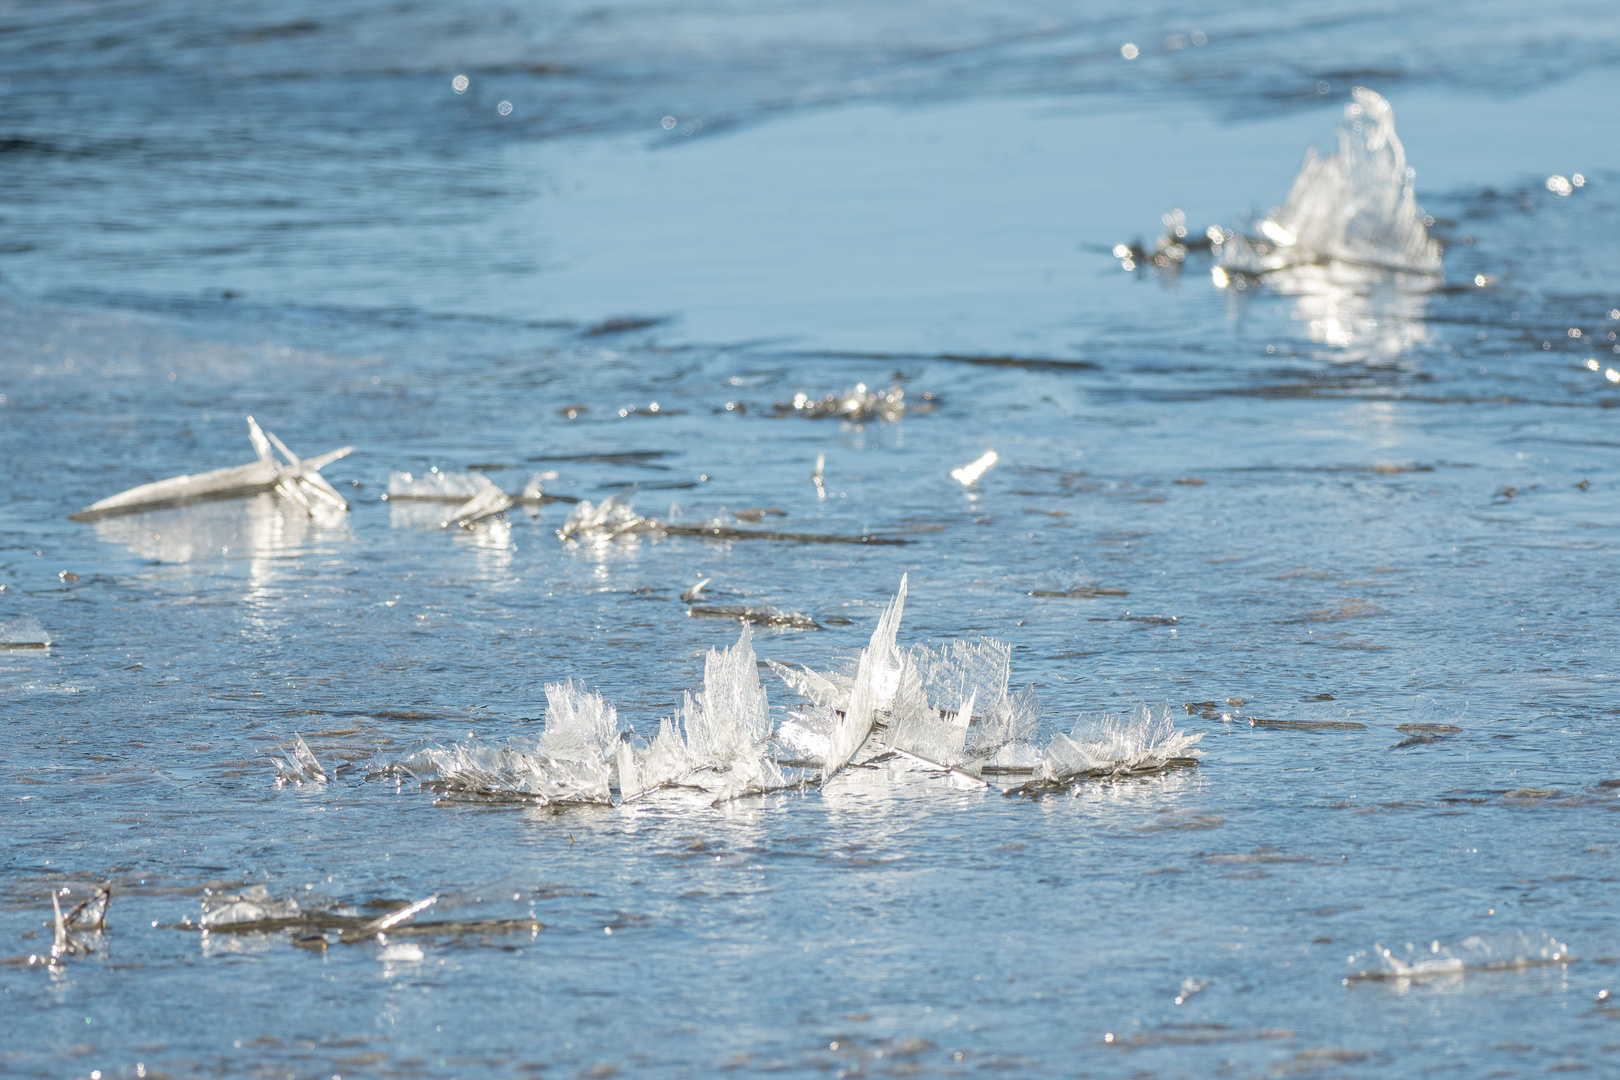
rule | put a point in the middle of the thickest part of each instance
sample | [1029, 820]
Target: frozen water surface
[1353, 533]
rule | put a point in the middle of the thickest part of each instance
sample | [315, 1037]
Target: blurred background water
[1362, 507]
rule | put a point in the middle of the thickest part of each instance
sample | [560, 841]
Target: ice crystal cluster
[1354, 206]
[948, 709]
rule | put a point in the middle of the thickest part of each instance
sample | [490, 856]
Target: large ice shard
[1354, 206]
[298, 480]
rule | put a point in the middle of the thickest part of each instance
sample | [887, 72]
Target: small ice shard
[23, 632]
[489, 502]
[1508, 951]
[1354, 206]
[70, 930]
[816, 477]
[692, 594]
[65, 943]
[401, 954]
[968, 474]
[252, 905]
[298, 480]
[857, 403]
[379, 926]
[436, 486]
[299, 765]
[571, 762]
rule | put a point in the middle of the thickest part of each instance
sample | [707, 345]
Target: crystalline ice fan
[950, 709]
[298, 481]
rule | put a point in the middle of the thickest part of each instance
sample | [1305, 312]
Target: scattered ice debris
[757, 616]
[298, 766]
[1354, 206]
[298, 481]
[968, 474]
[23, 632]
[858, 403]
[604, 521]
[949, 709]
[1511, 951]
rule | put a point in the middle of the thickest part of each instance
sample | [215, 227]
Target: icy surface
[1355, 205]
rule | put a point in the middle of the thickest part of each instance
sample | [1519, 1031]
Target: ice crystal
[718, 741]
[437, 486]
[1494, 952]
[298, 765]
[1109, 745]
[571, 761]
[610, 518]
[1356, 205]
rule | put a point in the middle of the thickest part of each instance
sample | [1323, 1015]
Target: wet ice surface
[1359, 538]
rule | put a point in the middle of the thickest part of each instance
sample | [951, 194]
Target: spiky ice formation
[720, 743]
[1105, 745]
[1356, 205]
[571, 761]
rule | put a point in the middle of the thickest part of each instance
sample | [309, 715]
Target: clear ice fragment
[299, 765]
[298, 481]
[1354, 206]
[23, 632]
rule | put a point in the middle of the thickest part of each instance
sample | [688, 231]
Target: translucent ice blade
[292, 458]
[876, 679]
[486, 504]
[261, 445]
[969, 474]
[321, 489]
[321, 461]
